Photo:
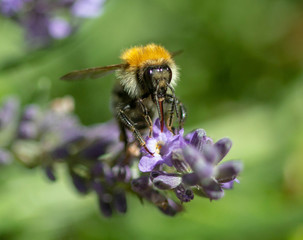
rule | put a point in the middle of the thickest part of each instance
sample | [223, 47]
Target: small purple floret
[59, 28]
[87, 8]
[161, 144]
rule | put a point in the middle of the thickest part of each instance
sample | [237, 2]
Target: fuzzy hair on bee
[145, 82]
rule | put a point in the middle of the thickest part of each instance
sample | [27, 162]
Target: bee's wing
[91, 73]
[176, 53]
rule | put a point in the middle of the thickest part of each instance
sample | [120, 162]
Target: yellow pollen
[159, 146]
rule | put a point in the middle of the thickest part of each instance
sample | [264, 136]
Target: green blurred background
[241, 77]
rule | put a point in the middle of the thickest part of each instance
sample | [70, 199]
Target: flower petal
[222, 147]
[30, 113]
[228, 171]
[171, 208]
[141, 184]
[80, 183]
[228, 185]
[156, 128]
[197, 162]
[88, 8]
[210, 154]
[198, 138]
[178, 161]
[147, 164]
[59, 28]
[105, 207]
[165, 181]
[191, 155]
[120, 201]
[151, 145]
[213, 190]
[190, 179]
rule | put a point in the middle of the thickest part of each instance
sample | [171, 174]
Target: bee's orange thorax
[138, 56]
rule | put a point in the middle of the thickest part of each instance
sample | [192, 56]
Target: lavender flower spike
[178, 168]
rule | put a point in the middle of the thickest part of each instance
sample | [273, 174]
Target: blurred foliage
[241, 77]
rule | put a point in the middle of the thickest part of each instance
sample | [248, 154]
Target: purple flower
[43, 20]
[228, 171]
[198, 139]
[198, 163]
[193, 161]
[11, 7]
[170, 208]
[104, 139]
[162, 145]
[120, 201]
[206, 173]
[185, 194]
[81, 184]
[230, 184]
[59, 28]
[165, 181]
[87, 8]
[31, 112]
[60, 128]
[141, 185]
[27, 130]
[5, 157]
[36, 27]
[8, 112]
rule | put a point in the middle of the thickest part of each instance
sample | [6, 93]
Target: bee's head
[146, 69]
[156, 79]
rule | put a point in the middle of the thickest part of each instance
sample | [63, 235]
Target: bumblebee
[145, 81]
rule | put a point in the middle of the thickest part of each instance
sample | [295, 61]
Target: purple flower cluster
[45, 20]
[188, 164]
[97, 161]
[47, 137]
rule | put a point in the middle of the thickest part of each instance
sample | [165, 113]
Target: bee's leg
[131, 126]
[171, 113]
[177, 106]
[173, 108]
[123, 136]
[146, 116]
[171, 99]
[183, 114]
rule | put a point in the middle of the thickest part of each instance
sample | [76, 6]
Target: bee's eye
[148, 78]
[148, 73]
